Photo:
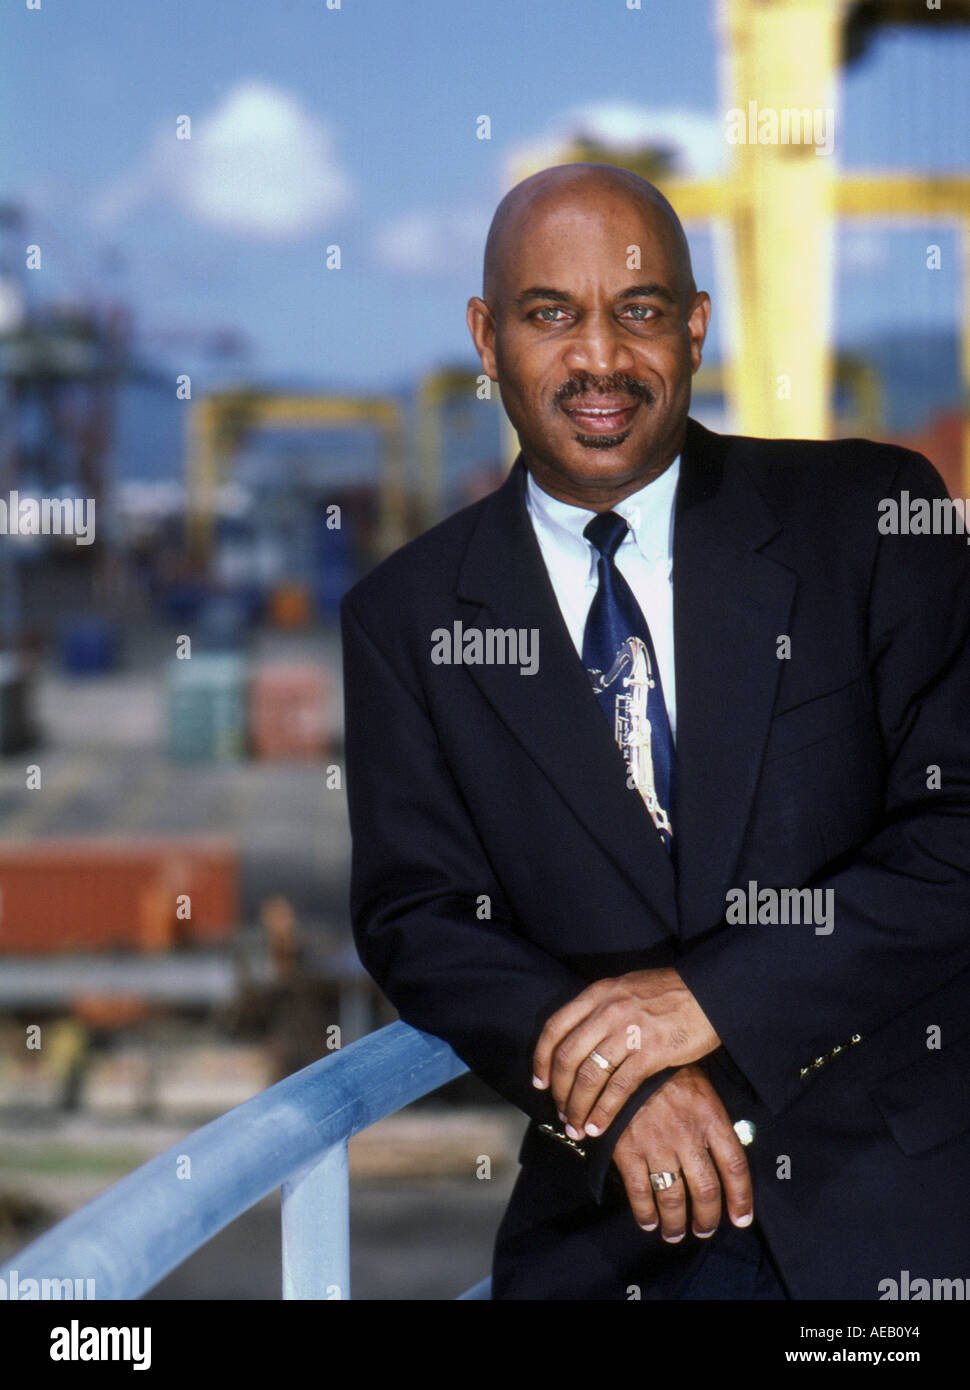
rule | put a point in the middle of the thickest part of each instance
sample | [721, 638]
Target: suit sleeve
[781, 997]
[418, 873]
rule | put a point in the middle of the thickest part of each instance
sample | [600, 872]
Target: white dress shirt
[644, 557]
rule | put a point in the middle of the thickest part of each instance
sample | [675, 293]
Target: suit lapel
[731, 603]
[554, 713]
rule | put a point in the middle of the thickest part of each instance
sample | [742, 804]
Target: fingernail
[573, 1133]
[704, 1235]
[744, 1220]
[538, 1083]
[672, 1240]
[562, 1117]
[593, 1129]
[652, 1227]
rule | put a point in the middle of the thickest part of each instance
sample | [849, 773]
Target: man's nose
[598, 346]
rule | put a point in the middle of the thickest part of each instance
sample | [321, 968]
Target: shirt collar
[649, 512]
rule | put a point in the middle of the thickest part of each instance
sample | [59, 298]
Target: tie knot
[605, 532]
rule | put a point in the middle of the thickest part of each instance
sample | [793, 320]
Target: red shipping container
[98, 894]
[290, 713]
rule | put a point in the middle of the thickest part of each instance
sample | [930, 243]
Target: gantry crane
[780, 203]
[219, 423]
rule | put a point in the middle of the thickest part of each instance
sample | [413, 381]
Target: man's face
[594, 359]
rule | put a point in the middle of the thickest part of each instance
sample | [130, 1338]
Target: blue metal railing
[293, 1135]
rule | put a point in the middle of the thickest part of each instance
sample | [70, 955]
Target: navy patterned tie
[620, 660]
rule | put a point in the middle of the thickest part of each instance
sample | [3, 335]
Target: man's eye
[548, 309]
[640, 311]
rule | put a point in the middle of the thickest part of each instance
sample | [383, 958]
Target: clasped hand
[639, 1024]
[636, 1024]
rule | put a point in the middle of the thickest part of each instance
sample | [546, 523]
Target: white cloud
[258, 165]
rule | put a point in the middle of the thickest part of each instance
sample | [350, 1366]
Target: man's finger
[591, 1083]
[636, 1179]
[570, 1057]
[732, 1164]
[671, 1200]
[636, 1067]
[557, 1027]
[704, 1186]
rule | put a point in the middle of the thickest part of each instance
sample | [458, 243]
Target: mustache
[584, 384]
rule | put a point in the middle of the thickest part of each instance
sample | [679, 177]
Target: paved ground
[428, 1239]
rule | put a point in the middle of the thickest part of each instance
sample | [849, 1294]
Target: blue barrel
[334, 566]
[181, 602]
[253, 601]
[89, 646]
[223, 623]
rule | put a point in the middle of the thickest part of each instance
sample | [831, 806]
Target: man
[737, 908]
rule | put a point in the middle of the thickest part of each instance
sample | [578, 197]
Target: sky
[355, 126]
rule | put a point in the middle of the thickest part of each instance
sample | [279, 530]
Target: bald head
[592, 326]
[584, 186]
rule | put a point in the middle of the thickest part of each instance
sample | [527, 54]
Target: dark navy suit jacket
[812, 768]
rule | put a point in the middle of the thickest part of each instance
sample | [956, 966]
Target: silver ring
[661, 1181]
[745, 1130]
[601, 1061]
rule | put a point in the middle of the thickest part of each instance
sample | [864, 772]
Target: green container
[207, 708]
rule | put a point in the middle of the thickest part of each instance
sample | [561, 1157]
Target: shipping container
[207, 707]
[290, 712]
[98, 894]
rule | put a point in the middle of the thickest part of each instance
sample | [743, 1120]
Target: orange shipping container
[290, 714]
[97, 894]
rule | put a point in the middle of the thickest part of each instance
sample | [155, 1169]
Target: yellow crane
[780, 201]
[219, 423]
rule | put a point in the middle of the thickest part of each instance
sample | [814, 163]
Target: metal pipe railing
[293, 1135]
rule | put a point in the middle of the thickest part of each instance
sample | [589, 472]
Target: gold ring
[601, 1061]
[661, 1181]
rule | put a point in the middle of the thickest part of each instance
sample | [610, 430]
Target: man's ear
[698, 320]
[481, 326]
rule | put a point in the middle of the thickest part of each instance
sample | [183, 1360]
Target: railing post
[293, 1135]
[316, 1229]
